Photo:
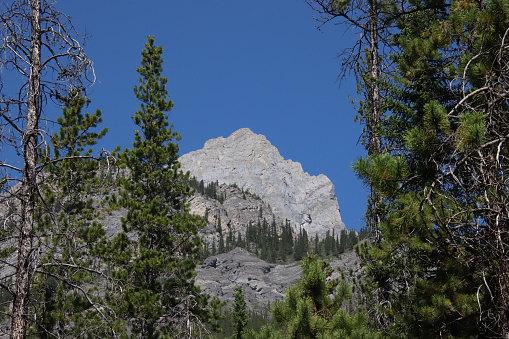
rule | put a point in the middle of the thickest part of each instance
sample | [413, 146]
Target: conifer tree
[160, 245]
[443, 263]
[301, 245]
[221, 247]
[213, 246]
[41, 50]
[240, 314]
[65, 296]
[312, 308]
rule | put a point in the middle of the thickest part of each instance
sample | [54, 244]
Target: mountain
[252, 163]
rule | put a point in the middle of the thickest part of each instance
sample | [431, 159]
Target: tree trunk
[25, 264]
[375, 143]
[503, 303]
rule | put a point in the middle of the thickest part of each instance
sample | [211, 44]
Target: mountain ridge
[250, 161]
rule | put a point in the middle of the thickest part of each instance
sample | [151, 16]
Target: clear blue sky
[232, 64]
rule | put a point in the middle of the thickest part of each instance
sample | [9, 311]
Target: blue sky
[232, 64]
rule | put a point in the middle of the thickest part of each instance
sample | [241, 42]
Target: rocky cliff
[261, 282]
[232, 213]
[250, 161]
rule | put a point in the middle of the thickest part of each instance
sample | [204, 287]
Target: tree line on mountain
[210, 190]
[277, 243]
[271, 242]
[433, 77]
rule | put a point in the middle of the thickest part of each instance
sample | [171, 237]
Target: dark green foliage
[65, 294]
[240, 314]
[301, 247]
[276, 243]
[160, 246]
[438, 272]
[313, 308]
[335, 245]
[221, 248]
[270, 242]
[257, 320]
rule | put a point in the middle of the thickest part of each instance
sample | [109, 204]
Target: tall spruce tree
[240, 314]
[160, 245]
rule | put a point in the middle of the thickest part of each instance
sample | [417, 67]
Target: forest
[433, 76]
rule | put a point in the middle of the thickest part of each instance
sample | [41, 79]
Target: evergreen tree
[316, 246]
[160, 245]
[201, 188]
[230, 243]
[286, 243]
[41, 52]
[221, 247]
[353, 239]
[239, 242]
[441, 263]
[301, 245]
[213, 246]
[313, 308]
[344, 243]
[219, 228]
[73, 239]
[240, 313]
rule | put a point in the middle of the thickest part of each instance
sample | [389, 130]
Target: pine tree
[353, 239]
[240, 314]
[240, 242]
[39, 49]
[301, 245]
[312, 308]
[442, 262]
[64, 291]
[160, 245]
[219, 227]
[221, 247]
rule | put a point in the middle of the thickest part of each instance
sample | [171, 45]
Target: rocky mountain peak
[251, 162]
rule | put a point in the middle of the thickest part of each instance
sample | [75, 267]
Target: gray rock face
[261, 282]
[250, 161]
[234, 213]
